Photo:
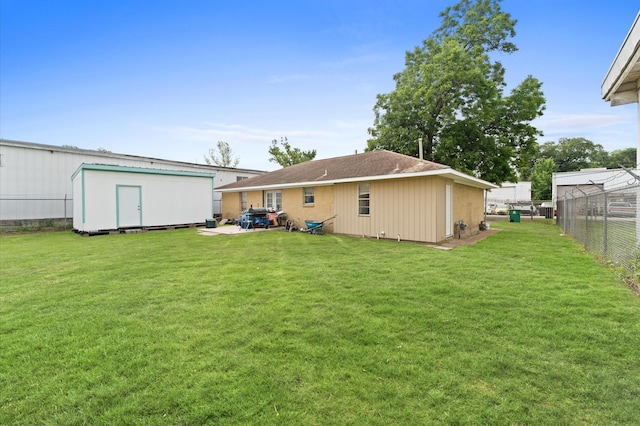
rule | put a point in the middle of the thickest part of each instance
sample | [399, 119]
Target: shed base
[137, 230]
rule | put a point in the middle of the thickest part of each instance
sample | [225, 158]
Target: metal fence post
[605, 225]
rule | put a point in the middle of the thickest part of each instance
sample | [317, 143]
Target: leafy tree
[105, 150]
[573, 154]
[222, 157]
[542, 179]
[622, 157]
[286, 155]
[451, 95]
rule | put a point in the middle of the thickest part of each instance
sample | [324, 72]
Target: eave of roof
[620, 84]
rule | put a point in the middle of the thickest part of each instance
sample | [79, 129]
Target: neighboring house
[35, 179]
[376, 194]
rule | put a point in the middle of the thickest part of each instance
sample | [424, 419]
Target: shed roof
[129, 169]
[374, 165]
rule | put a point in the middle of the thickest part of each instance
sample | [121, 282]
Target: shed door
[129, 206]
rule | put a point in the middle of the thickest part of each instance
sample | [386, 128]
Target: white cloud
[356, 60]
[613, 131]
[285, 78]
[557, 123]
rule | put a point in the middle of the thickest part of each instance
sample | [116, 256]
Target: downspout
[485, 206]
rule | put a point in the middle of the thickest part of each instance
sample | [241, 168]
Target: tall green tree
[573, 154]
[542, 179]
[286, 155]
[622, 157]
[222, 156]
[451, 95]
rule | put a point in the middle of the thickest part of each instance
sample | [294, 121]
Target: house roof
[374, 165]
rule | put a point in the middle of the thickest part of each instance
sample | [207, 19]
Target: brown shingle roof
[357, 166]
[374, 163]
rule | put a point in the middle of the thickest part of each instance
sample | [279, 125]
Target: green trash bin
[514, 215]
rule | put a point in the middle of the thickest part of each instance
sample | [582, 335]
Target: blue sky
[169, 79]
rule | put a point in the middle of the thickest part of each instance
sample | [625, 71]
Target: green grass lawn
[171, 327]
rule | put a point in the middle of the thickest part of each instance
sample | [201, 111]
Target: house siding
[412, 209]
[468, 205]
[321, 209]
[292, 204]
[230, 205]
[254, 199]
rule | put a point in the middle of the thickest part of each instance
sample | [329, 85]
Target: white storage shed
[119, 197]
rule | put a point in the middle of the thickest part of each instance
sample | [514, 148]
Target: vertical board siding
[346, 206]
[411, 208]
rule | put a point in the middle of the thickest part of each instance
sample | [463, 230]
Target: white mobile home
[116, 197]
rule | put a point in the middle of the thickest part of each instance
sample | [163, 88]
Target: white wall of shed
[166, 200]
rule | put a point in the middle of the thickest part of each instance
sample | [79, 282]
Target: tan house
[376, 194]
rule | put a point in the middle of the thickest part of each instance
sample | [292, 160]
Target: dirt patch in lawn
[452, 243]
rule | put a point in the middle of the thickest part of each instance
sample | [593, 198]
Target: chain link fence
[606, 222]
[35, 210]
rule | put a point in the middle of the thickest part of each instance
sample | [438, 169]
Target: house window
[363, 199]
[308, 196]
[243, 201]
[273, 200]
[239, 178]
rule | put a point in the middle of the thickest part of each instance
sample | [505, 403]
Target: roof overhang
[454, 175]
[620, 85]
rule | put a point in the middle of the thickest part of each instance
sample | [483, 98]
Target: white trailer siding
[519, 192]
[35, 184]
[114, 197]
